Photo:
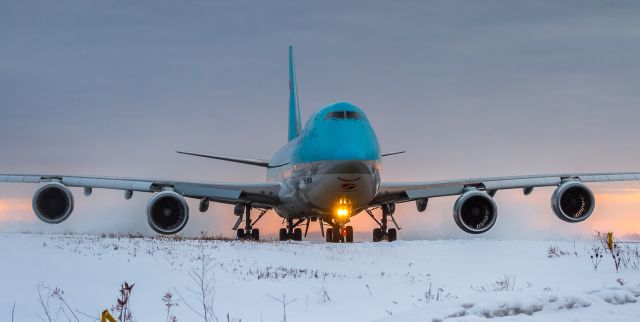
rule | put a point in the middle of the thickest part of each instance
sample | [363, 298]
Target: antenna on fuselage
[294, 110]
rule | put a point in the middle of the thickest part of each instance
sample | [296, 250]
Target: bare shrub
[506, 283]
[122, 308]
[53, 310]
[555, 251]
[430, 296]
[596, 256]
[619, 255]
[602, 238]
[169, 303]
[324, 294]
[633, 257]
[203, 277]
[58, 294]
[43, 300]
[284, 303]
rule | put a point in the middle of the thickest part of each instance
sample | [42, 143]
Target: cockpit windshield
[341, 115]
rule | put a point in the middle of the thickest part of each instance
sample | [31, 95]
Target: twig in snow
[169, 303]
[58, 293]
[88, 315]
[284, 303]
[204, 279]
[43, 305]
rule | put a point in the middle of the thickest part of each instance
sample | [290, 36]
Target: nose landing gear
[384, 233]
[340, 235]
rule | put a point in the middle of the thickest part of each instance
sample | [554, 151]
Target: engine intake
[475, 212]
[53, 203]
[573, 202]
[167, 212]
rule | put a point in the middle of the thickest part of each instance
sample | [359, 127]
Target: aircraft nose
[349, 151]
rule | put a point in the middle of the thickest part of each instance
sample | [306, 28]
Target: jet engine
[573, 202]
[167, 212]
[53, 203]
[475, 212]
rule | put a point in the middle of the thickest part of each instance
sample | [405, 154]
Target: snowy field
[448, 280]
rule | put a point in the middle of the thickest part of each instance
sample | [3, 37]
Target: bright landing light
[344, 207]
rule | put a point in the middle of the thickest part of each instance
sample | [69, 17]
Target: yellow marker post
[107, 317]
[610, 241]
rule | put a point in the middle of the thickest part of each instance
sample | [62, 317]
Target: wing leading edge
[403, 192]
[258, 194]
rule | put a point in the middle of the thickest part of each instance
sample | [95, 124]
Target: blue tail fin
[294, 110]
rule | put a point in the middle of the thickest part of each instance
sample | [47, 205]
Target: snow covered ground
[444, 280]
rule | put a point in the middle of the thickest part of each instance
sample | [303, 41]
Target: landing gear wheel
[329, 235]
[393, 234]
[282, 235]
[337, 236]
[240, 233]
[255, 234]
[349, 236]
[297, 234]
[377, 235]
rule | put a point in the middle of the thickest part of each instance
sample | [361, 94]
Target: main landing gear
[384, 233]
[243, 211]
[291, 232]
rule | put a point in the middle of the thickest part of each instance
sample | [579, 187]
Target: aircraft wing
[403, 192]
[264, 195]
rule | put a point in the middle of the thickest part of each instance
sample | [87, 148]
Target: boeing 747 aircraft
[328, 172]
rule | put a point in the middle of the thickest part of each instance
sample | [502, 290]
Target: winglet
[294, 110]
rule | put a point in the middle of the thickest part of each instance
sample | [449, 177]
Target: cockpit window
[335, 115]
[340, 115]
[352, 115]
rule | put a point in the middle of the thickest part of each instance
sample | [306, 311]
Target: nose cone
[349, 151]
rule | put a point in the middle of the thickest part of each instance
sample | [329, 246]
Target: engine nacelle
[167, 212]
[573, 202]
[53, 203]
[475, 212]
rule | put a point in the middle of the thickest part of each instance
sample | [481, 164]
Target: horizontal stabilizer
[392, 153]
[255, 162]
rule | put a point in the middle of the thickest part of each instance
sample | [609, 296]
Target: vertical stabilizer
[294, 109]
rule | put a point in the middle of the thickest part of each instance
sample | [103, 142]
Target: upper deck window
[341, 115]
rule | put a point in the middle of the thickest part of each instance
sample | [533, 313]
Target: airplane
[327, 172]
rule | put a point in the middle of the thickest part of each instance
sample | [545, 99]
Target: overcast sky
[468, 88]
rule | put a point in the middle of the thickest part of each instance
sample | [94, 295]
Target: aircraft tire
[349, 234]
[282, 236]
[297, 234]
[337, 236]
[240, 233]
[329, 235]
[393, 234]
[377, 235]
[255, 234]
